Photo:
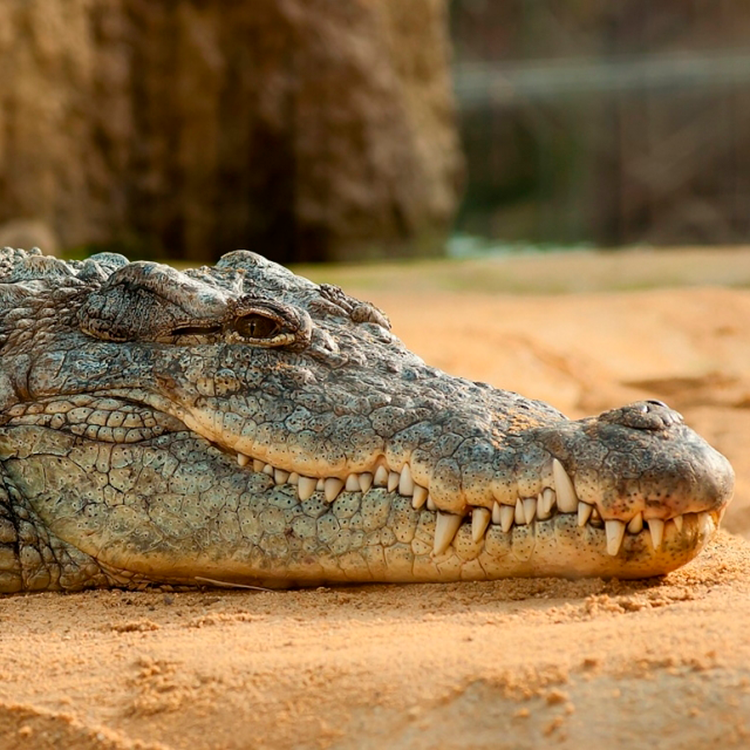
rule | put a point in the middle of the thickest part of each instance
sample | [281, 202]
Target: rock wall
[304, 129]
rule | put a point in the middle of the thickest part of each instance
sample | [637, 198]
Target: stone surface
[306, 129]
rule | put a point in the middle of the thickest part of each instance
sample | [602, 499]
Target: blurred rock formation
[28, 233]
[304, 129]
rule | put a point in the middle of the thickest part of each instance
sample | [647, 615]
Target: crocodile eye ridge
[197, 330]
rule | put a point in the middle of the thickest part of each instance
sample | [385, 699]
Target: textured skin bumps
[241, 425]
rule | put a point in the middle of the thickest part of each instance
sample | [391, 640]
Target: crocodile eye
[255, 326]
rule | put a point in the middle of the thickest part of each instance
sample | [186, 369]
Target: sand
[507, 664]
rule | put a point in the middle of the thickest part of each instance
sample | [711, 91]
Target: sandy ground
[508, 664]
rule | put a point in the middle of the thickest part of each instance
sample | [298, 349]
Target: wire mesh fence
[614, 122]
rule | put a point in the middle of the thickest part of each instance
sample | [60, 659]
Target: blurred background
[315, 130]
[610, 123]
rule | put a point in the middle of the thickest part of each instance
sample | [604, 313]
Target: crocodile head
[240, 424]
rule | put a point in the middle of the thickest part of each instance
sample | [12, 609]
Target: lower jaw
[554, 547]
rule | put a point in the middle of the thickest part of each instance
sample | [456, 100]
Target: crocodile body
[240, 425]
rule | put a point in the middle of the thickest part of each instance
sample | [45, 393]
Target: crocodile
[240, 425]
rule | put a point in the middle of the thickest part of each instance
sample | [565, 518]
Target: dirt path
[508, 664]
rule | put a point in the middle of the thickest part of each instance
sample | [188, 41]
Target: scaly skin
[242, 425]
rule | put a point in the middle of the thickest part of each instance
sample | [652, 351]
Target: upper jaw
[639, 459]
[633, 464]
[603, 470]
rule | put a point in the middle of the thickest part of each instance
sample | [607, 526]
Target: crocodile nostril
[643, 415]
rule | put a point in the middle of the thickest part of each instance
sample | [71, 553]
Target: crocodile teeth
[393, 479]
[293, 478]
[615, 531]
[405, 482]
[446, 527]
[258, 465]
[496, 513]
[332, 488]
[306, 488]
[242, 459]
[519, 515]
[431, 504]
[567, 501]
[365, 482]
[635, 525]
[280, 476]
[678, 522]
[381, 476]
[320, 484]
[352, 483]
[541, 512]
[419, 498]
[268, 469]
[529, 508]
[656, 529]
[547, 501]
[507, 515]
[480, 520]
[584, 513]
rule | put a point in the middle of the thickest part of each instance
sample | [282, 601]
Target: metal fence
[613, 122]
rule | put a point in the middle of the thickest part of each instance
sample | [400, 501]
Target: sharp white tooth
[656, 529]
[431, 504]
[352, 483]
[519, 516]
[258, 465]
[705, 523]
[405, 482]
[541, 509]
[381, 476]
[496, 513]
[615, 531]
[280, 476]
[242, 459]
[306, 488]
[529, 508]
[635, 525]
[549, 497]
[365, 482]
[420, 496]
[321, 484]
[480, 520]
[567, 501]
[678, 522]
[393, 480]
[293, 478]
[584, 513]
[268, 469]
[446, 527]
[332, 488]
[507, 516]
